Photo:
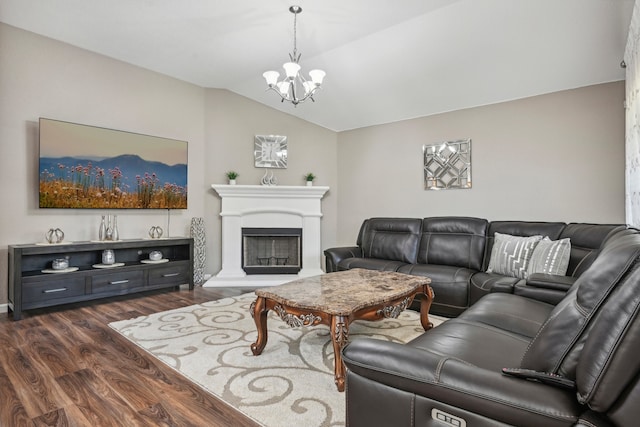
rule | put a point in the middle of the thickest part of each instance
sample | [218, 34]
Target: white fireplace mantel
[278, 206]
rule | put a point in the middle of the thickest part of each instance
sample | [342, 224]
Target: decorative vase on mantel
[197, 232]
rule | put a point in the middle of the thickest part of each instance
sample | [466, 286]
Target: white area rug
[289, 384]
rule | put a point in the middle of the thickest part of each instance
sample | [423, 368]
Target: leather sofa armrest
[551, 281]
[335, 255]
[547, 288]
[457, 383]
[506, 285]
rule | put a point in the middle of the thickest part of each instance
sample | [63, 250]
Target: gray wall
[555, 157]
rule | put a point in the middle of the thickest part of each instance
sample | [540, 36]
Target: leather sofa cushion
[474, 343]
[394, 239]
[453, 241]
[522, 316]
[449, 284]
[369, 264]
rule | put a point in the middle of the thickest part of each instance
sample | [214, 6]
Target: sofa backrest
[453, 241]
[520, 228]
[394, 239]
[558, 345]
[586, 240]
[609, 366]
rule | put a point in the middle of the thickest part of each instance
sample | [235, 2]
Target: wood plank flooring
[64, 366]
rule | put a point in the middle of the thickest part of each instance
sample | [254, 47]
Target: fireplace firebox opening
[271, 250]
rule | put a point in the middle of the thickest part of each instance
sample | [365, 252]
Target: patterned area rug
[289, 384]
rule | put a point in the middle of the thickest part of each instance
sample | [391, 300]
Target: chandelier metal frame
[294, 82]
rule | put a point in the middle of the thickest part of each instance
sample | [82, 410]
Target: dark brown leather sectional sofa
[574, 362]
[454, 252]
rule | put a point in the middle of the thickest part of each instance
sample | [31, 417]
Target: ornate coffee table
[336, 300]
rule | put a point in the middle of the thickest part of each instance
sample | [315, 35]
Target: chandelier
[292, 86]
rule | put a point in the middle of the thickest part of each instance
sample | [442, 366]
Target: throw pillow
[550, 257]
[510, 255]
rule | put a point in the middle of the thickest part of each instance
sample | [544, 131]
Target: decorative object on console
[269, 178]
[155, 232]
[309, 178]
[108, 257]
[60, 263]
[289, 87]
[155, 255]
[197, 233]
[231, 176]
[270, 151]
[89, 167]
[108, 229]
[447, 165]
[102, 230]
[54, 235]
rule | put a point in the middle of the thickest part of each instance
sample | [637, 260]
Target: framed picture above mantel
[270, 151]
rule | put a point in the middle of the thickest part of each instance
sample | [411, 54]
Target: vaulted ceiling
[386, 60]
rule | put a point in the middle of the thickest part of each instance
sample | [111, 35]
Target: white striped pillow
[510, 254]
[550, 257]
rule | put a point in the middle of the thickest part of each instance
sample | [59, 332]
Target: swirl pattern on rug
[290, 384]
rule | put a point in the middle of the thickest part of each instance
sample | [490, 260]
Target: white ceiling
[386, 60]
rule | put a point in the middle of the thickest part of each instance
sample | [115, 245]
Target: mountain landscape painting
[91, 167]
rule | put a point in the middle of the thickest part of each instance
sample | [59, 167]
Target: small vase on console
[108, 229]
[102, 230]
[115, 235]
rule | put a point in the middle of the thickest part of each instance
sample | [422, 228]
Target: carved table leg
[260, 317]
[425, 305]
[339, 338]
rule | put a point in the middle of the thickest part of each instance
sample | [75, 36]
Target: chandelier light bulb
[317, 76]
[291, 70]
[308, 87]
[293, 82]
[271, 77]
[283, 88]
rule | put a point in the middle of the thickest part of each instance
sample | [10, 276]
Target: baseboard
[4, 308]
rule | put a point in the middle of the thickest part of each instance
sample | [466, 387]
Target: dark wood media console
[30, 288]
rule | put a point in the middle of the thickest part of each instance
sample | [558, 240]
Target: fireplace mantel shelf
[262, 191]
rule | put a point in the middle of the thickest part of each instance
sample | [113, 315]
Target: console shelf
[30, 287]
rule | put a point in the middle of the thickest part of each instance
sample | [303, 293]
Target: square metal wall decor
[447, 165]
[270, 151]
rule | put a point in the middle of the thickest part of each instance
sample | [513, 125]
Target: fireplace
[273, 207]
[271, 250]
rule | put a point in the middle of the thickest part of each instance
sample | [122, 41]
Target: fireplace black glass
[271, 250]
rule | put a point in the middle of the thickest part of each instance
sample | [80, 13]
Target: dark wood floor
[66, 367]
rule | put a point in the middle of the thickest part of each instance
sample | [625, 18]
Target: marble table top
[341, 293]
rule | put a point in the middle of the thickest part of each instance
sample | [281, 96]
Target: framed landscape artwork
[90, 167]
